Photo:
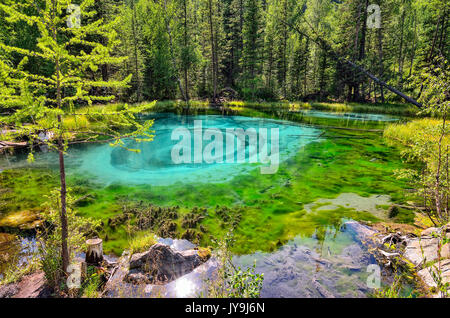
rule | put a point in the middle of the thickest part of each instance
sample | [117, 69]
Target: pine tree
[130, 33]
[252, 41]
[232, 22]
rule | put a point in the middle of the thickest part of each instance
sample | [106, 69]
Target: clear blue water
[154, 163]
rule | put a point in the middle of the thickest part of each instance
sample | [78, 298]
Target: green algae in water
[343, 162]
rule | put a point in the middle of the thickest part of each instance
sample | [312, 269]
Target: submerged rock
[23, 220]
[318, 269]
[360, 231]
[354, 201]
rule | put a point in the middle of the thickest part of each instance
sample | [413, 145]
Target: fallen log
[318, 40]
[10, 144]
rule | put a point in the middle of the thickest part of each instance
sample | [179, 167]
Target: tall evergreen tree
[252, 41]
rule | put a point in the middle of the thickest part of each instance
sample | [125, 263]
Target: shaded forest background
[193, 49]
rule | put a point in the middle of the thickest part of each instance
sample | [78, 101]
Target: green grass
[392, 109]
[141, 242]
[405, 135]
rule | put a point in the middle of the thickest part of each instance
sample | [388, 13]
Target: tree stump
[94, 253]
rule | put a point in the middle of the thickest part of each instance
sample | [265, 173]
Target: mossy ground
[271, 206]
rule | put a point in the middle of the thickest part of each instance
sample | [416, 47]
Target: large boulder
[161, 264]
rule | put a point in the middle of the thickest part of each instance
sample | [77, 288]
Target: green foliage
[244, 284]
[232, 282]
[253, 48]
[75, 54]
[50, 236]
[50, 264]
[435, 93]
[78, 226]
[395, 290]
[427, 142]
[91, 285]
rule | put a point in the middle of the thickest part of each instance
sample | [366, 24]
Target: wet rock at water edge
[161, 264]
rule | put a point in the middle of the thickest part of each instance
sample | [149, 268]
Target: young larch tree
[76, 44]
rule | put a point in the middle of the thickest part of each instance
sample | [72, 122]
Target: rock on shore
[422, 252]
[30, 286]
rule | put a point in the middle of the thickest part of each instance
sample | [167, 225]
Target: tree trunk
[441, 45]
[63, 215]
[136, 56]
[335, 56]
[392, 89]
[381, 61]
[437, 194]
[213, 50]
[62, 171]
[431, 53]
[186, 88]
[284, 50]
[362, 48]
[172, 55]
[241, 23]
[413, 54]
[400, 57]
